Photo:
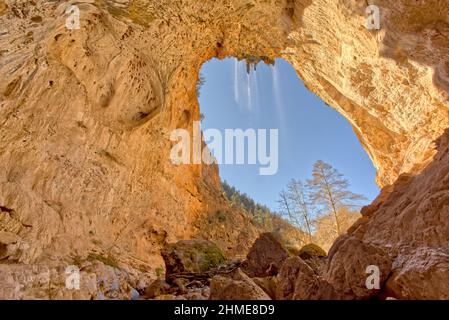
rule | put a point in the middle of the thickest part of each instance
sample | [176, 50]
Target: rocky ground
[197, 270]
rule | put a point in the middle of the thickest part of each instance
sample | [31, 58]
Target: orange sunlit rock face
[86, 116]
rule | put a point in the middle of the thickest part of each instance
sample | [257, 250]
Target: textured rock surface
[157, 288]
[298, 281]
[410, 221]
[268, 285]
[350, 278]
[238, 286]
[288, 275]
[97, 281]
[265, 256]
[315, 257]
[306, 285]
[86, 116]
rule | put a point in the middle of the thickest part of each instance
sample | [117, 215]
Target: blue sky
[308, 129]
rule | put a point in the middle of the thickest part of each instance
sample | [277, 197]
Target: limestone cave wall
[86, 117]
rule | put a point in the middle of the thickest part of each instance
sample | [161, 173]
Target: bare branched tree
[286, 209]
[330, 190]
[295, 205]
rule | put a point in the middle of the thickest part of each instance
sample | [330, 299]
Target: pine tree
[331, 190]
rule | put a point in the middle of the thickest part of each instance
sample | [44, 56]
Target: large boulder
[363, 260]
[298, 281]
[292, 269]
[265, 256]
[157, 288]
[421, 280]
[268, 284]
[237, 286]
[191, 256]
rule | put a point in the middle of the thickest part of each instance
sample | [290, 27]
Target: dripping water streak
[277, 92]
[256, 89]
[236, 81]
[276, 87]
[248, 82]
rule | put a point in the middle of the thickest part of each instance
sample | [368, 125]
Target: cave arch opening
[247, 96]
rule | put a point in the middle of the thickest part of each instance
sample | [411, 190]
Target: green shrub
[221, 216]
[107, 260]
[213, 257]
[159, 271]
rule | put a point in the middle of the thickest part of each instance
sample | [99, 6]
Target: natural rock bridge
[86, 116]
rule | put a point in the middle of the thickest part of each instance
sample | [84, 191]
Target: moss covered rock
[293, 251]
[192, 256]
[310, 251]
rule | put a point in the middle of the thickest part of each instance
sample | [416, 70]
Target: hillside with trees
[315, 211]
[265, 219]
